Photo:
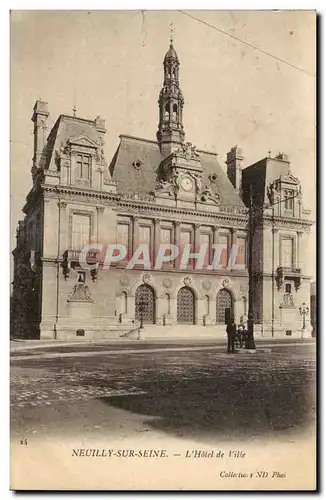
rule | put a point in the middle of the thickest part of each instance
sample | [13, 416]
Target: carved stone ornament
[80, 293]
[170, 187]
[124, 281]
[187, 280]
[226, 283]
[188, 151]
[243, 289]
[271, 192]
[167, 283]
[146, 278]
[164, 186]
[208, 195]
[100, 159]
[287, 301]
[207, 285]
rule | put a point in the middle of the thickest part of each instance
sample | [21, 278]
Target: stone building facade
[152, 193]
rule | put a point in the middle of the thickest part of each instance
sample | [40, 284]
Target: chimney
[282, 156]
[234, 159]
[39, 118]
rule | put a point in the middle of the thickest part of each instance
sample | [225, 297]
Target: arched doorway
[186, 306]
[224, 306]
[145, 304]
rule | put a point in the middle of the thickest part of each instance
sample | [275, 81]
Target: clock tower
[180, 174]
[170, 132]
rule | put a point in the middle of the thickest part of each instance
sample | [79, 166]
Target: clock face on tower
[187, 183]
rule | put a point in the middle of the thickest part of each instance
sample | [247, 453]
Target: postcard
[163, 232]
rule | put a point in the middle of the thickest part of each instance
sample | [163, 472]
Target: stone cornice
[262, 275]
[151, 209]
[74, 193]
[287, 222]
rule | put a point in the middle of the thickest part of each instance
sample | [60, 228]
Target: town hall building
[153, 192]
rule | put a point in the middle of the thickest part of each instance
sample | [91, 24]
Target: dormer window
[83, 162]
[289, 199]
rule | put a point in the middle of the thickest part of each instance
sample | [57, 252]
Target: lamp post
[304, 311]
[141, 309]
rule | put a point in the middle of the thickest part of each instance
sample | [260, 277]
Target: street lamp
[304, 311]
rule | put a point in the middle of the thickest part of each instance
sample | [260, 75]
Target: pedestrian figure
[231, 331]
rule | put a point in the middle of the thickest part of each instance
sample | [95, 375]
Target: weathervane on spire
[171, 33]
[74, 109]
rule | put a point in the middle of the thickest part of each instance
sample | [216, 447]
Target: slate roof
[67, 127]
[143, 181]
[260, 175]
[128, 178]
[171, 53]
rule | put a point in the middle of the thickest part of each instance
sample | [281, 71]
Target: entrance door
[186, 306]
[145, 304]
[224, 306]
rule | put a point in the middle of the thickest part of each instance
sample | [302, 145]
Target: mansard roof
[265, 171]
[69, 128]
[135, 168]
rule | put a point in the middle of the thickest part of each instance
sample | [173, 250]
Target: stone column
[63, 228]
[177, 241]
[215, 242]
[233, 241]
[99, 210]
[299, 262]
[156, 240]
[134, 233]
[196, 244]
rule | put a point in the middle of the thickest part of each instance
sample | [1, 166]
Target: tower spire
[170, 132]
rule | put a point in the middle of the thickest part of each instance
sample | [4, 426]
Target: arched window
[174, 112]
[145, 304]
[186, 306]
[166, 111]
[224, 306]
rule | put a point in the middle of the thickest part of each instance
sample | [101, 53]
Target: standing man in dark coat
[231, 331]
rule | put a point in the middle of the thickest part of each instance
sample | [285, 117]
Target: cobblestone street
[191, 393]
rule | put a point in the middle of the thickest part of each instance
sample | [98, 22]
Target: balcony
[71, 259]
[288, 273]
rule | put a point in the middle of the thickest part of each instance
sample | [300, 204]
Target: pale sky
[111, 63]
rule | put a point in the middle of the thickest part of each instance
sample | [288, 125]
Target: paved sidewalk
[125, 343]
[261, 347]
